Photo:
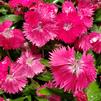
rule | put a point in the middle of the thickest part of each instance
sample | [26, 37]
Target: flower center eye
[67, 26]
[95, 39]
[7, 34]
[68, 10]
[10, 77]
[29, 61]
[40, 27]
[75, 67]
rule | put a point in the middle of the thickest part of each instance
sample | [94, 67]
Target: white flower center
[95, 39]
[67, 26]
[29, 61]
[76, 67]
[39, 27]
[7, 34]
[69, 10]
[10, 77]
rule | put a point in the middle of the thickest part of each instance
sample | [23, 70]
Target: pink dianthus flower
[68, 29]
[25, 3]
[37, 29]
[19, 6]
[70, 73]
[68, 7]
[4, 69]
[83, 43]
[31, 64]
[85, 10]
[80, 96]
[15, 79]
[10, 38]
[95, 41]
[47, 11]
[2, 99]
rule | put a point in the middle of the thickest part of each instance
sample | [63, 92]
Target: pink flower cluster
[44, 22]
[13, 75]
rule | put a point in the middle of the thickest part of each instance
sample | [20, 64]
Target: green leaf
[57, 91]
[99, 68]
[78, 55]
[30, 89]
[3, 10]
[45, 62]
[45, 91]
[98, 59]
[96, 29]
[64, 95]
[1, 92]
[26, 98]
[56, 1]
[98, 15]
[94, 92]
[41, 99]
[11, 17]
[46, 76]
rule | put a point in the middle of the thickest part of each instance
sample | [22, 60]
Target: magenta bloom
[20, 6]
[15, 79]
[25, 3]
[10, 38]
[2, 99]
[68, 7]
[70, 73]
[80, 96]
[83, 43]
[38, 30]
[68, 29]
[85, 10]
[4, 69]
[95, 41]
[54, 97]
[31, 64]
[47, 11]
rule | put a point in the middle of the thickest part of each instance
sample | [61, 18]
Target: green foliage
[11, 17]
[26, 98]
[1, 92]
[45, 62]
[30, 89]
[78, 55]
[3, 10]
[45, 91]
[94, 92]
[99, 69]
[96, 28]
[41, 99]
[46, 76]
[98, 15]
[97, 59]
